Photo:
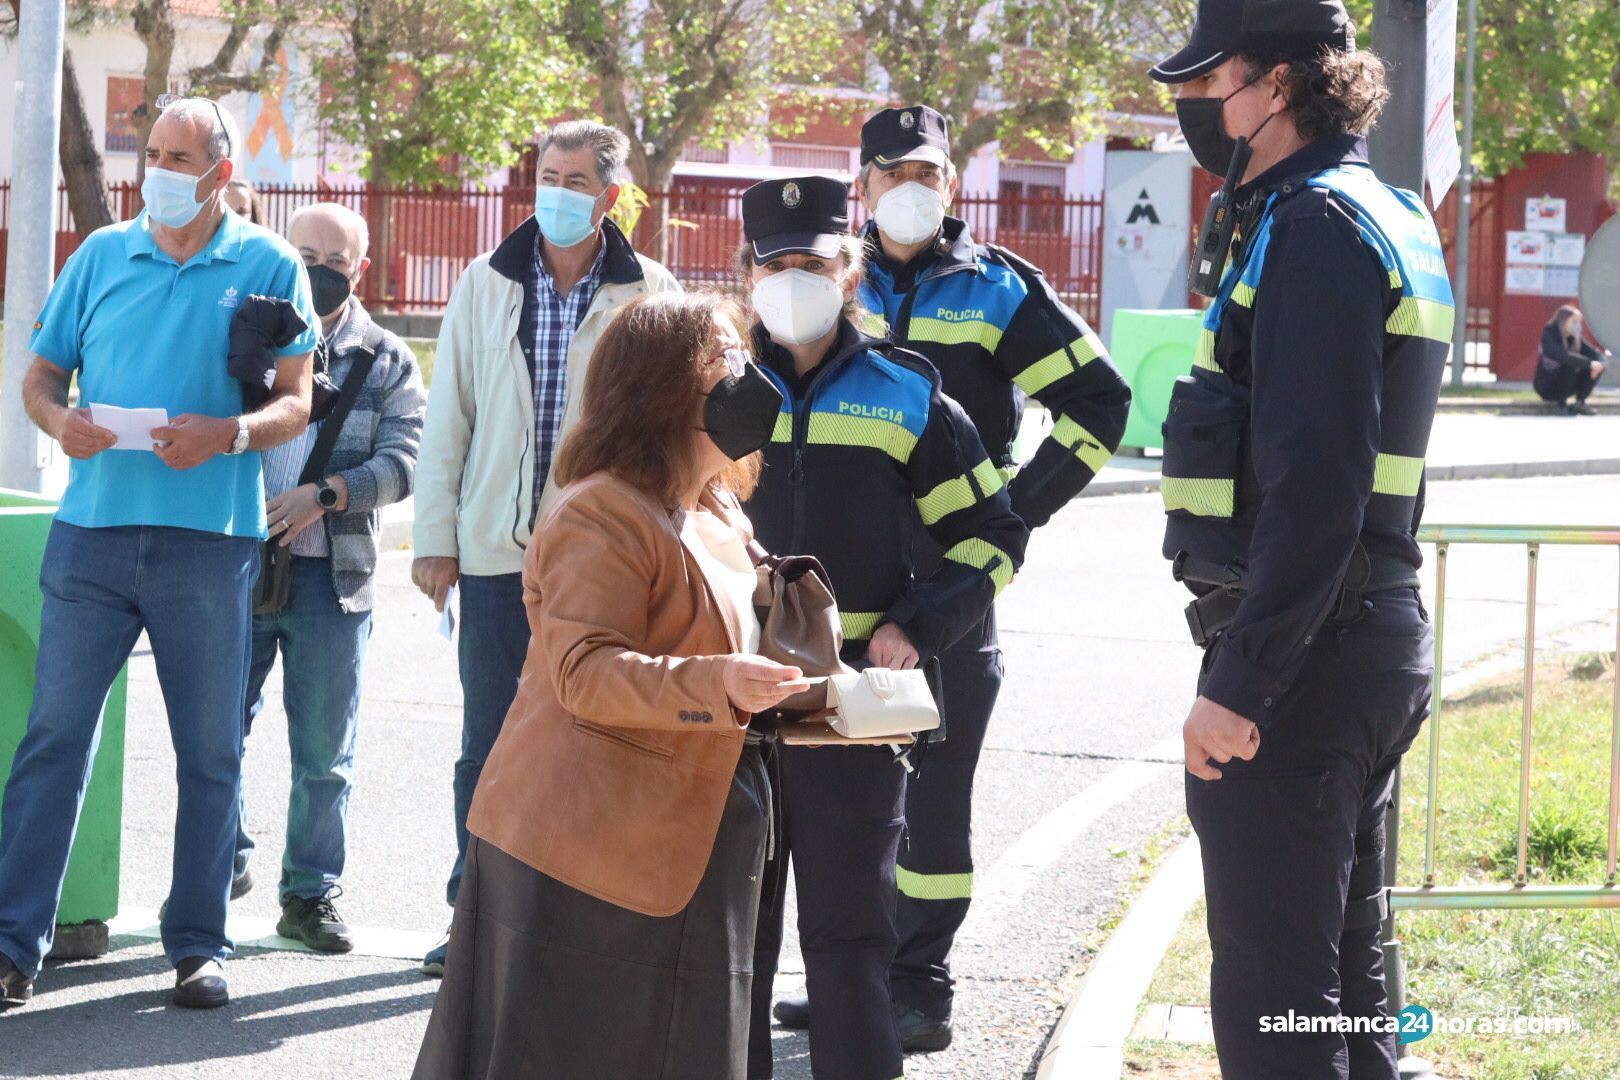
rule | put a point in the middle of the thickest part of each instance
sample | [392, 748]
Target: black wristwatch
[326, 495]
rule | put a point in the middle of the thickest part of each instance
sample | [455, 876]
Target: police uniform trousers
[544, 982]
[842, 814]
[936, 859]
[1293, 850]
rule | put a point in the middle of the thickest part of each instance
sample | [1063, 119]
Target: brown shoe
[15, 987]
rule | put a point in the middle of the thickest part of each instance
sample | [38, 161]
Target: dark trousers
[494, 632]
[935, 871]
[1559, 383]
[842, 813]
[1292, 850]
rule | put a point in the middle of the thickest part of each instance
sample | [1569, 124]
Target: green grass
[425, 349]
[1486, 963]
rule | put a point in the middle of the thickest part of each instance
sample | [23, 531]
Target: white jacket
[475, 472]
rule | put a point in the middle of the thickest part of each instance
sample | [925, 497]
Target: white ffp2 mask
[910, 213]
[797, 307]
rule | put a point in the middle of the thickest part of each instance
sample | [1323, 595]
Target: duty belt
[1213, 612]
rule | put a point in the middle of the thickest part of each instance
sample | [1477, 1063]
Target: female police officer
[866, 443]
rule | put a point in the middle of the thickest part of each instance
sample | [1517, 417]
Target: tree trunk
[656, 183]
[81, 158]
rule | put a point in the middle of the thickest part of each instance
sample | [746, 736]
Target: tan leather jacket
[613, 766]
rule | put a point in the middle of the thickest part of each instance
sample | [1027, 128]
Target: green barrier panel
[91, 891]
[1152, 349]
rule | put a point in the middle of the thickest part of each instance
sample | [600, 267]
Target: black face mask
[740, 412]
[1205, 132]
[329, 288]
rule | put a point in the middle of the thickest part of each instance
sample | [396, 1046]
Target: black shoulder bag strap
[332, 426]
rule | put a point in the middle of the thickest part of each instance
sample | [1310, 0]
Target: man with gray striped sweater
[332, 526]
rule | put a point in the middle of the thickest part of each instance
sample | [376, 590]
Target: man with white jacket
[507, 385]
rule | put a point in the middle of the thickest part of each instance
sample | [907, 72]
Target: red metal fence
[421, 240]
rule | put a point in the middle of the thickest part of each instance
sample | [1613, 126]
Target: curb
[1089, 1040]
[1512, 470]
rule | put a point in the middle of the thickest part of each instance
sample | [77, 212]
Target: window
[696, 151]
[125, 93]
[1032, 197]
[819, 158]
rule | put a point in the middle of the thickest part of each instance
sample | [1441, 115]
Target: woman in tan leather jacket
[605, 925]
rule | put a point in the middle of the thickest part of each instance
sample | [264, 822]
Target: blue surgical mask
[566, 218]
[171, 197]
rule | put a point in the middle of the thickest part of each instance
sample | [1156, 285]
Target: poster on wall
[272, 122]
[1568, 249]
[1526, 281]
[1563, 282]
[1442, 157]
[1546, 215]
[1527, 248]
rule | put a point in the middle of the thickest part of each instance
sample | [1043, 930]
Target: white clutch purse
[879, 703]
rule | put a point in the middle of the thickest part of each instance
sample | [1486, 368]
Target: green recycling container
[91, 892]
[1152, 349]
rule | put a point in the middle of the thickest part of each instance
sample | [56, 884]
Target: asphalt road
[1082, 769]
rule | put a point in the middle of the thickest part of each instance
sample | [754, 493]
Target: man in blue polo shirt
[160, 536]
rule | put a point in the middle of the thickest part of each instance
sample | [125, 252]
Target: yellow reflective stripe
[1205, 356]
[1049, 369]
[1423, 318]
[991, 479]
[859, 625]
[1007, 474]
[934, 886]
[1243, 295]
[979, 554]
[1395, 277]
[1086, 446]
[966, 332]
[833, 429]
[1396, 475]
[783, 432]
[958, 493]
[1206, 498]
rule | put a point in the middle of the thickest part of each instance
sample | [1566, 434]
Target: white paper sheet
[132, 426]
[447, 620]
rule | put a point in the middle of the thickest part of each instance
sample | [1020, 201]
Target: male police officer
[996, 331]
[1293, 479]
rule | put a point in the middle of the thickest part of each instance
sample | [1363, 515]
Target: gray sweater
[375, 453]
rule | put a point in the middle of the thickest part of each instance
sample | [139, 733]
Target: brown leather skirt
[544, 982]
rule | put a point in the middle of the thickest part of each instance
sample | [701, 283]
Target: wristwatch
[326, 495]
[240, 443]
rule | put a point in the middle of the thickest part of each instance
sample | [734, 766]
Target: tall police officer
[1293, 479]
[996, 331]
[865, 444]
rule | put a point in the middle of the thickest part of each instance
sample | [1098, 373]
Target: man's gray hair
[224, 139]
[347, 215]
[610, 145]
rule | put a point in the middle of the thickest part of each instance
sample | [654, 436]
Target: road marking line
[1011, 876]
[1089, 1041]
[253, 932]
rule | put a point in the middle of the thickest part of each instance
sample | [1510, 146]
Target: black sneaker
[793, 1012]
[15, 987]
[315, 922]
[200, 983]
[242, 884]
[921, 1034]
[1581, 408]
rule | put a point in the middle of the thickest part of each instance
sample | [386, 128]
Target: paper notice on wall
[1526, 280]
[1442, 157]
[1568, 249]
[1546, 215]
[1562, 282]
[1528, 248]
[1130, 241]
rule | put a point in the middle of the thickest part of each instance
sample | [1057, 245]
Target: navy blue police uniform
[1293, 484]
[998, 333]
[865, 443]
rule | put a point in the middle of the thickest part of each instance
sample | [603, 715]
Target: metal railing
[1520, 894]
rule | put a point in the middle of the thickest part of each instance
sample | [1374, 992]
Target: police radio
[1220, 222]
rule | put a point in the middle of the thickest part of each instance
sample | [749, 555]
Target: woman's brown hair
[1563, 314]
[1331, 93]
[644, 397]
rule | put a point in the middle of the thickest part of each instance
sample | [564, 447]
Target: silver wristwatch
[240, 443]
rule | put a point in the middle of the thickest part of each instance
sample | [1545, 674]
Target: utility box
[1152, 349]
[90, 895]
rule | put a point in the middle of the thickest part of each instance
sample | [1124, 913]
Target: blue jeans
[323, 649]
[191, 592]
[494, 639]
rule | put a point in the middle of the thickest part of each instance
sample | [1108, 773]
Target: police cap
[1228, 28]
[915, 133]
[803, 215]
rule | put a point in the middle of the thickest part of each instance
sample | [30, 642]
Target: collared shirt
[555, 318]
[143, 331]
[284, 464]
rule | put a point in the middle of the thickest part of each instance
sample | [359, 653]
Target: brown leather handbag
[798, 619]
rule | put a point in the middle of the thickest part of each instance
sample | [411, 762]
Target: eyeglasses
[736, 359]
[165, 100]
